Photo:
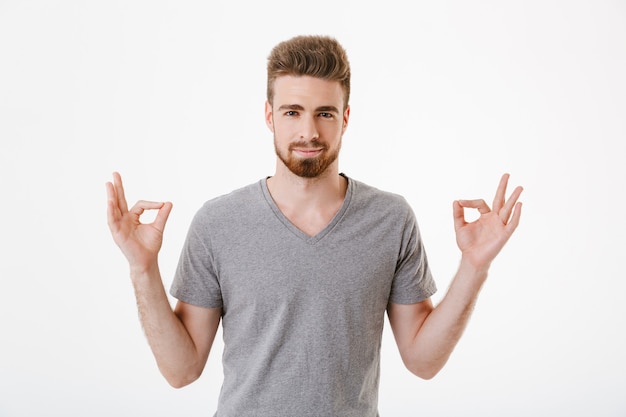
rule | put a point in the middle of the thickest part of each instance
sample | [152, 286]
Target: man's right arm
[180, 339]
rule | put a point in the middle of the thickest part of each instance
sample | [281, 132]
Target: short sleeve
[413, 281]
[195, 281]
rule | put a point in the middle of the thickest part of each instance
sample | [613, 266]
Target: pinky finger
[113, 215]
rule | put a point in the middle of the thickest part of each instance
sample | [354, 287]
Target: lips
[307, 153]
[307, 150]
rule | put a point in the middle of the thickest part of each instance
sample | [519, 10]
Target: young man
[301, 267]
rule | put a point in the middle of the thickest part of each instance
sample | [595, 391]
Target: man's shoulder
[245, 192]
[369, 194]
[235, 201]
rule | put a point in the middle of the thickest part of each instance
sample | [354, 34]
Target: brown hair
[316, 56]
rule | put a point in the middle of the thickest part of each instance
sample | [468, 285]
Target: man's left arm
[427, 335]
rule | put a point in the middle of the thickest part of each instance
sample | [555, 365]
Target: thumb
[162, 216]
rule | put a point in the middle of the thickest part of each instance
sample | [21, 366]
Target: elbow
[426, 374]
[180, 379]
[426, 371]
[178, 383]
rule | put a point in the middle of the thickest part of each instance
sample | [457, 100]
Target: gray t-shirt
[302, 316]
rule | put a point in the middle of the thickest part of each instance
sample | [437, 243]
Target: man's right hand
[139, 242]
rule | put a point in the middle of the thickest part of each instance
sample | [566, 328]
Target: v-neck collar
[311, 240]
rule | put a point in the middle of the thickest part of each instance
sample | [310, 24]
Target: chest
[268, 272]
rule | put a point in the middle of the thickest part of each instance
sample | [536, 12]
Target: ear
[346, 117]
[269, 116]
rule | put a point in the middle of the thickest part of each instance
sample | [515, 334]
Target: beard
[308, 167]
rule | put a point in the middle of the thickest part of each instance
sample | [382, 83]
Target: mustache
[313, 144]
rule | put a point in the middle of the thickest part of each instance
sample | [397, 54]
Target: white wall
[446, 97]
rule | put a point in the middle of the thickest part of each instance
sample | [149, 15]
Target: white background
[447, 96]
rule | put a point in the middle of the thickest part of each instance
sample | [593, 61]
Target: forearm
[440, 332]
[427, 336]
[173, 348]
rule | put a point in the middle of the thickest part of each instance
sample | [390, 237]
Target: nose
[308, 129]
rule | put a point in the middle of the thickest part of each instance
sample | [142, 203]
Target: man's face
[308, 121]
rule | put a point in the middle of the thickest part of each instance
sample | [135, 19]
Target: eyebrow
[299, 107]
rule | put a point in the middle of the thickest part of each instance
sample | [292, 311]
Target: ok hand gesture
[481, 240]
[139, 242]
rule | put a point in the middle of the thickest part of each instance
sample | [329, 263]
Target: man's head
[316, 56]
[307, 104]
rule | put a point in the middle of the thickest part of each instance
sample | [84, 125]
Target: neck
[287, 187]
[309, 203]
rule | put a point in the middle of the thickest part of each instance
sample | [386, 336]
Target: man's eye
[326, 115]
[291, 113]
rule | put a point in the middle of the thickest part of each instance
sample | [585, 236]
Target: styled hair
[316, 56]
